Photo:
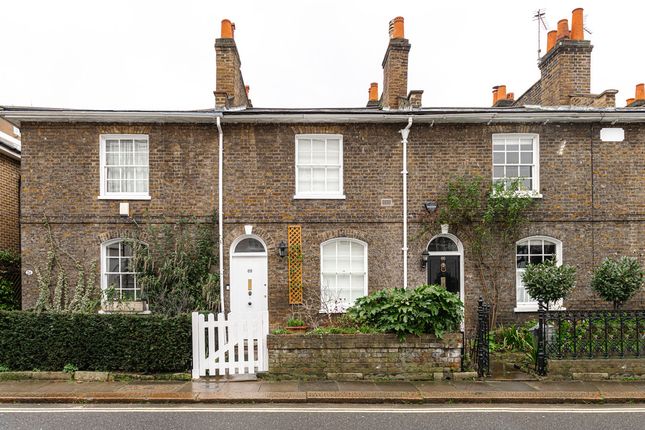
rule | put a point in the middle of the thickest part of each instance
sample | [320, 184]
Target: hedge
[128, 343]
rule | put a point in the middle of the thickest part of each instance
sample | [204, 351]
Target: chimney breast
[577, 25]
[228, 29]
[397, 28]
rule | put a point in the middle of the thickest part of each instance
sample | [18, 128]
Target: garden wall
[363, 355]
[613, 367]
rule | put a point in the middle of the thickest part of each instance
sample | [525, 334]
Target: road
[321, 417]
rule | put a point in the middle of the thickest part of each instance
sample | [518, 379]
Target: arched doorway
[248, 275]
[446, 263]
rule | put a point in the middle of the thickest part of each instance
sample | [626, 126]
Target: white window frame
[340, 194]
[342, 308]
[533, 306]
[535, 180]
[104, 267]
[104, 194]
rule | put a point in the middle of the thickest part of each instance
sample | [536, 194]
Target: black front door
[444, 271]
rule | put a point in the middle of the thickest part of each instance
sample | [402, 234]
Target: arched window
[118, 275]
[442, 244]
[533, 250]
[343, 273]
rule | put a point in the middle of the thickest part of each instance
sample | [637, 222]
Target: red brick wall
[9, 203]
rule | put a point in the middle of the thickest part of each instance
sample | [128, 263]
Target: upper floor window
[319, 166]
[124, 166]
[516, 157]
[343, 273]
[533, 250]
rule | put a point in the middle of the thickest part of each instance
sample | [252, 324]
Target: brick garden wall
[365, 355]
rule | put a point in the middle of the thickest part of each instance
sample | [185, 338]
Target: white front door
[249, 275]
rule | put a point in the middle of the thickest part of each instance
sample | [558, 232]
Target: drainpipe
[404, 139]
[220, 214]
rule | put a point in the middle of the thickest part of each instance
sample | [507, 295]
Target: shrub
[548, 282]
[295, 322]
[617, 280]
[425, 309]
[129, 343]
[9, 280]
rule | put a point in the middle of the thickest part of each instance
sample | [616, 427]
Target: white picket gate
[230, 345]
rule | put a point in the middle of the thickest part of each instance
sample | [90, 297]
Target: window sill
[531, 194]
[319, 197]
[124, 197]
[534, 308]
[138, 307]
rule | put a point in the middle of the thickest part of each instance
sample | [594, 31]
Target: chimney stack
[501, 98]
[395, 67]
[639, 98]
[566, 66]
[230, 91]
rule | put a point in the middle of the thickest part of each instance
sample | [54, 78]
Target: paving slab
[395, 386]
[318, 386]
[279, 387]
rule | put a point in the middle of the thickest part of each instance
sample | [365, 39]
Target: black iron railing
[482, 342]
[589, 334]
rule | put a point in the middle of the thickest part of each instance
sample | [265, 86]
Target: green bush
[425, 309]
[129, 343]
[547, 282]
[617, 280]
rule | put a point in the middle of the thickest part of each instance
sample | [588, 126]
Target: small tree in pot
[618, 280]
[547, 282]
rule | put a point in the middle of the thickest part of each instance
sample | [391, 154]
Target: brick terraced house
[344, 189]
[9, 186]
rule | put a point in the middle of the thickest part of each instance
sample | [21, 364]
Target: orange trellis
[294, 236]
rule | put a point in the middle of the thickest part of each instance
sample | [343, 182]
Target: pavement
[218, 391]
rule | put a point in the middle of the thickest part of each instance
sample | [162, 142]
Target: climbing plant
[489, 219]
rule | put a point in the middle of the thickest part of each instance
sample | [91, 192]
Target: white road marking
[333, 410]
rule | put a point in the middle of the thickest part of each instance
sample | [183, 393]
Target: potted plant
[296, 325]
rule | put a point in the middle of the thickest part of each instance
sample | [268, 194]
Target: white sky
[136, 54]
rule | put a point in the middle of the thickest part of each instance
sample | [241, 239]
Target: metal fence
[482, 341]
[589, 334]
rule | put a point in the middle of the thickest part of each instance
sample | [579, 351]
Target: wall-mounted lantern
[424, 258]
[430, 206]
[282, 249]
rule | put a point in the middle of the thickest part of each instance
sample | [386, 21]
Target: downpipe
[404, 173]
[220, 214]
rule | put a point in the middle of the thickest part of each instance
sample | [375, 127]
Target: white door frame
[459, 252]
[233, 255]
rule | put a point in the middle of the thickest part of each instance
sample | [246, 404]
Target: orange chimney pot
[228, 29]
[501, 92]
[495, 95]
[247, 88]
[373, 92]
[550, 40]
[640, 92]
[563, 29]
[577, 25]
[629, 101]
[397, 28]
[510, 96]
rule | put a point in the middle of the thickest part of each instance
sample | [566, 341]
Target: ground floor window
[533, 250]
[118, 275]
[343, 273]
